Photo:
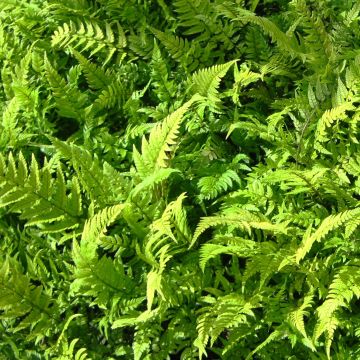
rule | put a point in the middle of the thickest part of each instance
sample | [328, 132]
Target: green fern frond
[88, 35]
[328, 118]
[25, 305]
[226, 312]
[104, 185]
[97, 77]
[42, 200]
[70, 102]
[193, 16]
[275, 335]
[284, 41]
[205, 82]
[179, 48]
[212, 186]
[245, 248]
[242, 219]
[161, 142]
[296, 317]
[101, 278]
[330, 223]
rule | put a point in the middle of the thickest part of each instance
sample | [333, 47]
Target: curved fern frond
[284, 41]
[296, 317]
[241, 219]
[88, 35]
[245, 248]
[212, 186]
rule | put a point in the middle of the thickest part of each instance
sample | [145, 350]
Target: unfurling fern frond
[41, 199]
[162, 140]
[88, 35]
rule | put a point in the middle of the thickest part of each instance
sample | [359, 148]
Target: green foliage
[179, 179]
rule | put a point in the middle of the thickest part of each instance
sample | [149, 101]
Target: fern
[43, 201]
[89, 35]
[104, 184]
[330, 223]
[161, 141]
[179, 179]
[205, 82]
[21, 299]
[94, 276]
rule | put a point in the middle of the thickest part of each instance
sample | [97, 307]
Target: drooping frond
[241, 219]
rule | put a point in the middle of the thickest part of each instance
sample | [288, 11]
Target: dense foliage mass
[179, 179]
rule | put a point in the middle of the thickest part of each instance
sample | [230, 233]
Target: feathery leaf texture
[41, 199]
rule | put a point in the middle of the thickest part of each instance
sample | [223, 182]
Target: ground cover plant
[179, 179]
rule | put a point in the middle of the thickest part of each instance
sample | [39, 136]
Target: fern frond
[275, 335]
[25, 305]
[70, 102]
[226, 312]
[205, 82]
[161, 142]
[330, 223]
[296, 317]
[245, 248]
[89, 35]
[97, 77]
[42, 200]
[178, 47]
[193, 16]
[102, 182]
[101, 278]
[212, 186]
[284, 41]
[328, 118]
[242, 219]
